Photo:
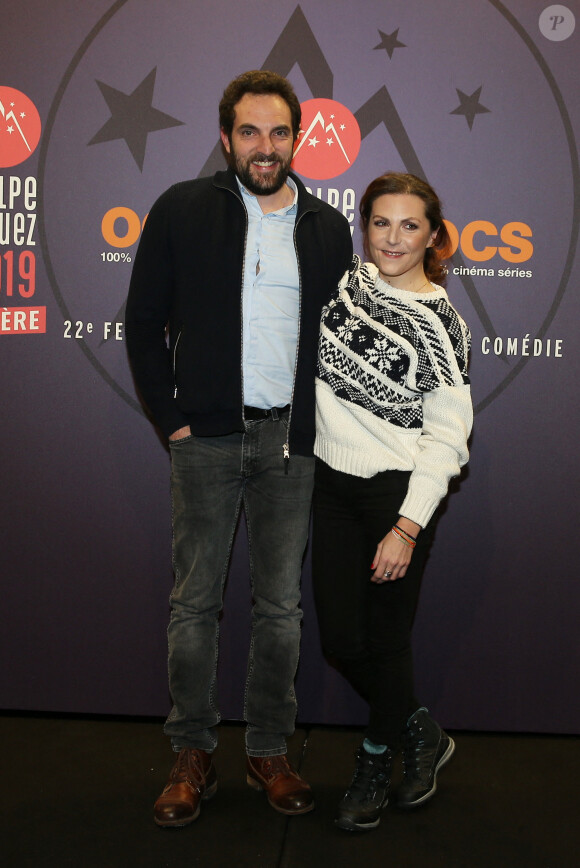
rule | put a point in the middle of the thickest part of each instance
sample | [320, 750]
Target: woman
[393, 417]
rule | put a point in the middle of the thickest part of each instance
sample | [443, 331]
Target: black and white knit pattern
[382, 349]
[392, 389]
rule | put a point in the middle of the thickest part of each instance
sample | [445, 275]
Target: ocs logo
[329, 140]
[19, 127]
[478, 240]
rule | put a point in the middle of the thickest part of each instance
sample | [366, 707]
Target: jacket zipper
[175, 364]
[286, 446]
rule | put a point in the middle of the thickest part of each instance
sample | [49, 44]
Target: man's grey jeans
[211, 479]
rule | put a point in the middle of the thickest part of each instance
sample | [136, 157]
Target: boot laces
[277, 765]
[187, 769]
[417, 754]
[370, 772]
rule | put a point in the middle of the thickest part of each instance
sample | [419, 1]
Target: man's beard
[261, 185]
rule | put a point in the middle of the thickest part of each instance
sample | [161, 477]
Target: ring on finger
[388, 574]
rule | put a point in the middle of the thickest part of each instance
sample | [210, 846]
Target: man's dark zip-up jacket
[187, 283]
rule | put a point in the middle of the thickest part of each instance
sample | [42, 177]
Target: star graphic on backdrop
[389, 41]
[133, 117]
[469, 106]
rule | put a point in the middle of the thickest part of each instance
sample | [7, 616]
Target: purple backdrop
[483, 99]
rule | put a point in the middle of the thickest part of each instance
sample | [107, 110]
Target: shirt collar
[289, 209]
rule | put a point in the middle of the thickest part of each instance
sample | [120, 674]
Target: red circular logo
[329, 140]
[19, 127]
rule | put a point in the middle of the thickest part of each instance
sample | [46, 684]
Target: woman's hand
[393, 556]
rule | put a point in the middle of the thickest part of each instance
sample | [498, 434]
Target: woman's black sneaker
[367, 795]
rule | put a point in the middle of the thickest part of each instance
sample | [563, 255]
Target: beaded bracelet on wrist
[406, 533]
[403, 537]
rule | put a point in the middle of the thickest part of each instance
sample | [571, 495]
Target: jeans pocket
[173, 443]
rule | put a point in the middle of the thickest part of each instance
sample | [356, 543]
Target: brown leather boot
[192, 780]
[286, 791]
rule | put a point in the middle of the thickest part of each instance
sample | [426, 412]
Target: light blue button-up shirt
[270, 303]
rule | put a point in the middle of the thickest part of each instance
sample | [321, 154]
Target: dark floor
[79, 792]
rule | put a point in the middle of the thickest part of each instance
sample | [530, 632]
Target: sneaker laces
[417, 756]
[369, 771]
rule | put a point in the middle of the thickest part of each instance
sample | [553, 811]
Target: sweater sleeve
[442, 450]
[447, 414]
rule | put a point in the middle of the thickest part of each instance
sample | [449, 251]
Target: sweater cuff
[419, 508]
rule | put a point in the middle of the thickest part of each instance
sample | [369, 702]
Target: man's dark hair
[257, 81]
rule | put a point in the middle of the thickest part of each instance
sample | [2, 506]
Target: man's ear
[225, 141]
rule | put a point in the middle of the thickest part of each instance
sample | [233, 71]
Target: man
[237, 267]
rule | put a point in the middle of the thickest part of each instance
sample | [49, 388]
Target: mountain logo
[19, 127]
[329, 140]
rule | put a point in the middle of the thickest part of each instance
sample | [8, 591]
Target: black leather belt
[256, 414]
